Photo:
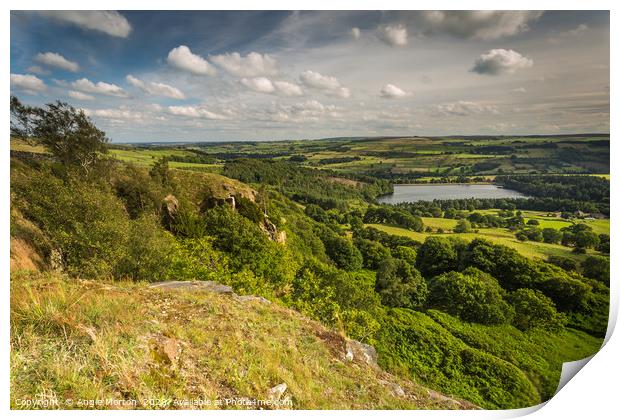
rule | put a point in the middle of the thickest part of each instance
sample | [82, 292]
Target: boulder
[354, 350]
[276, 392]
[209, 286]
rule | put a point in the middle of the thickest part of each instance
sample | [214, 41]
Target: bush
[551, 236]
[535, 310]
[372, 252]
[462, 226]
[597, 268]
[400, 285]
[343, 253]
[472, 295]
[437, 255]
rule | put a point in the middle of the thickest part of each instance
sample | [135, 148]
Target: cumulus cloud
[464, 108]
[252, 65]
[500, 61]
[328, 84]
[264, 85]
[101, 88]
[391, 91]
[572, 33]
[287, 88]
[109, 22]
[37, 70]
[154, 88]
[478, 24]
[80, 96]
[307, 111]
[393, 35]
[183, 58]
[28, 83]
[356, 33]
[51, 59]
[194, 112]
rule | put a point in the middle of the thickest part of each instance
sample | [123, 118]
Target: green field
[500, 236]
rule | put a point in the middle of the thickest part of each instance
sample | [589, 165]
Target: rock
[56, 260]
[170, 209]
[396, 389]
[165, 349]
[209, 286]
[276, 392]
[252, 298]
[360, 351]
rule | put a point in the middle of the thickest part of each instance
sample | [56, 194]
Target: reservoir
[408, 193]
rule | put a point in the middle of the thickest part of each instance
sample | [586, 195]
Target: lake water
[417, 192]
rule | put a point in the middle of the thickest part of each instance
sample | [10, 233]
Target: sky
[146, 76]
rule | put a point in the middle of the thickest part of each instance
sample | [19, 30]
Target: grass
[500, 236]
[76, 340]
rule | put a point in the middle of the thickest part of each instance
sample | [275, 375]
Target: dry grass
[75, 340]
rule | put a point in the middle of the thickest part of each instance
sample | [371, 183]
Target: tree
[472, 295]
[343, 253]
[533, 222]
[535, 310]
[462, 226]
[436, 255]
[373, 252]
[65, 131]
[551, 236]
[596, 267]
[400, 285]
[586, 239]
[160, 171]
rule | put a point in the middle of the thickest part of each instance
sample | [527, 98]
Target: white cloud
[117, 114]
[195, 112]
[80, 96]
[579, 30]
[28, 83]
[356, 33]
[328, 84]
[393, 35]
[308, 111]
[154, 88]
[519, 90]
[51, 59]
[182, 58]
[479, 24]
[391, 91]
[287, 88]
[109, 22]
[101, 88]
[464, 108]
[252, 65]
[259, 84]
[500, 61]
[37, 70]
[278, 87]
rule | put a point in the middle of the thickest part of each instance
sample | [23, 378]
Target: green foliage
[472, 295]
[343, 253]
[535, 310]
[373, 253]
[411, 343]
[551, 236]
[437, 255]
[64, 130]
[597, 268]
[406, 253]
[394, 216]
[400, 284]
[462, 226]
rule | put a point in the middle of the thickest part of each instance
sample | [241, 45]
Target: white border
[592, 394]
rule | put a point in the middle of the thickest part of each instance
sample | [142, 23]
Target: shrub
[597, 268]
[472, 295]
[535, 310]
[437, 255]
[400, 285]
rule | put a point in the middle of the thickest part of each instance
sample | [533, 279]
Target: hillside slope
[77, 341]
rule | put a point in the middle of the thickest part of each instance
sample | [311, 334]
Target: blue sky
[209, 76]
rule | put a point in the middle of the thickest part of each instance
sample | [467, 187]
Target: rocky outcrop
[170, 210]
[354, 350]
